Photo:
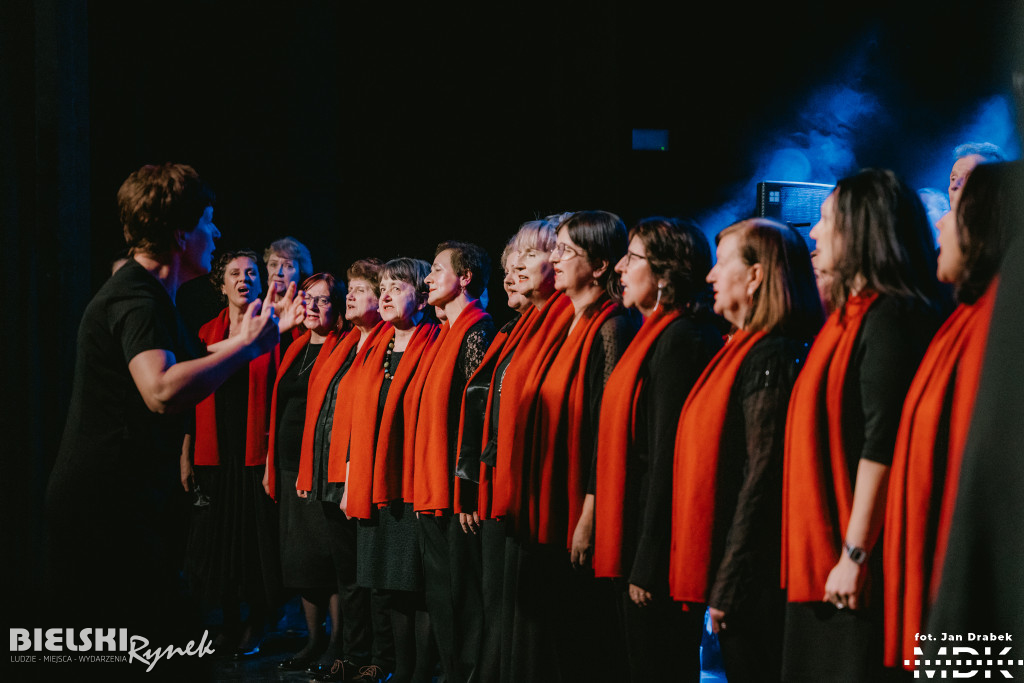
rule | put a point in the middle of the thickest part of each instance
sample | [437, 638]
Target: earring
[657, 302]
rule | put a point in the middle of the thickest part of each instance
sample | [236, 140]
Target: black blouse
[747, 540]
[671, 368]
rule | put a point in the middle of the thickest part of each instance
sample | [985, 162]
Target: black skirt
[317, 542]
[232, 548]
[388, 550]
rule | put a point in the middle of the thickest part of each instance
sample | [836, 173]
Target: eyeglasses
[630, 256]
[563, 252]
[320, 301]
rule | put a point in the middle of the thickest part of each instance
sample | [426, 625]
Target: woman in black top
[727, 489]
[875, 244]
[662, 276]
[304, 531]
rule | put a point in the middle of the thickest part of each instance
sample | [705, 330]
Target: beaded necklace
[387, 361]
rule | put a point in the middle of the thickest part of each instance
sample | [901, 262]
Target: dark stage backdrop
[373, 129]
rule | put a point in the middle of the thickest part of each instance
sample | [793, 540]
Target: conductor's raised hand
[259, 327]
[290, 307]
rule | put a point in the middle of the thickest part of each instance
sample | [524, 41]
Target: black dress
[746, 547]
[233, 552]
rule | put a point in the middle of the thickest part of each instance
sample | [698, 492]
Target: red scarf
[486, 369]
[923, 479]
[262, 373]
[343, 408]
[433, 478]
[332, 356]
[286, 363]
[500, 349]
[616, 433]
[551, 486]
[376, 449]
[542, 336]
[695, 475]
[815, 460]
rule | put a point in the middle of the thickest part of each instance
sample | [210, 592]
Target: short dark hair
[337, 291]
[991, 206]
[469, 258]
[884, 235]
[603, 236]
[156, 201]
[366, 269]
[226, 257]
[411, 270]
[678, 252]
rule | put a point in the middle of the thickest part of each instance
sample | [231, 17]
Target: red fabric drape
[550, 488]
[695, 474]
[542, 336]
[925, 470]
[262, 374]
[376, 448]
[343, 406]
[432, 483]
[289, 357]
[617, 431]
[815, 460]
[497, 352]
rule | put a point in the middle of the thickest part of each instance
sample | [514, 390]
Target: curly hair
[226, 257]
[678, 252]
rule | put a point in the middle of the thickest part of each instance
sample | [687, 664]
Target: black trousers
[357, 631]
[751, 642]
[662, 640]
[452, 585]
[560, 623]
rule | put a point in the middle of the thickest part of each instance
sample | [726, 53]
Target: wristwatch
[855, 553]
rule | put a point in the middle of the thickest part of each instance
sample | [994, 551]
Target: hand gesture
[259, 329]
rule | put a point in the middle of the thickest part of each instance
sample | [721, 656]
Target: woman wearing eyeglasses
[555, 609]
[662, 276]
[306, 565]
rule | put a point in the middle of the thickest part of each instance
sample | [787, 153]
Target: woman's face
[281, 272]
[398, 302]
[639, 286]
[824, 235]
[951, 255]
[516, 301]
[361, 302]
[241, 282]
[734, 282]
[444, 283]
[535, 278]
[320, 314]
[572, 268]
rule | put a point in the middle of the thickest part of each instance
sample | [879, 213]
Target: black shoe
[371, 674]
[338, 671]
[296, 664]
